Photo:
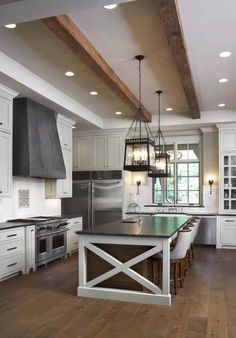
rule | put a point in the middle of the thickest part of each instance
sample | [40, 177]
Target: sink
[127, 221]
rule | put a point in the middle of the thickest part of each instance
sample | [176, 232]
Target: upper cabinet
[98, 152]
[5, 114]
[65, 134]
[62, 188]
[5, 164]
[227, 172]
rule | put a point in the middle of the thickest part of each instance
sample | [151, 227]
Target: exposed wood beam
[170, 19]
[70, 34]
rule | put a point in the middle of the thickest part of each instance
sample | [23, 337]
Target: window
[183, 187]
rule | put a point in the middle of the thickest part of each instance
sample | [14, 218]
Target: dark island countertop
[9, 225]
[152, 226]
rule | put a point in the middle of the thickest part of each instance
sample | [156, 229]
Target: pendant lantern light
[139, 142]
[162, 159]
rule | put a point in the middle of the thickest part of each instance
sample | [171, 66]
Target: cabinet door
[115, 152]
[100, 152]
[65, 135]
[5, 114]
[5, 164]
[228, 236]
[82, 153]
[64, 187]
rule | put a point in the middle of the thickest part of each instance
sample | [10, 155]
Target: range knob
[49, 227]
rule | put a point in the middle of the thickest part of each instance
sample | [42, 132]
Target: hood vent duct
[36, 146]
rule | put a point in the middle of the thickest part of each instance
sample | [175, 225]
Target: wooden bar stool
[177, 259]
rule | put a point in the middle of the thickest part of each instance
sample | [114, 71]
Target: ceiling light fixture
[112, 6]
[118, 113]
[93, 93]
[69, 73]
[10, 26]
[221, 105]
[139, 141]
[225, 54]
[169, 109]
[162, 158]
[223, 80]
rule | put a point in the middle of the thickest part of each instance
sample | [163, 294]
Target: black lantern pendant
[139, 142]
[162, 159]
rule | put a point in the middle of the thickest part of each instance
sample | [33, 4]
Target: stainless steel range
[51, 238]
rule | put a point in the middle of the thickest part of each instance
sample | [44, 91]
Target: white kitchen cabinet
[61, 188]
[5, 114]
[226, 232]
[5, 164]
[30, 248]
[12, 252]
[75, 224]
[107, 152]
[65, 134]
[82, 153]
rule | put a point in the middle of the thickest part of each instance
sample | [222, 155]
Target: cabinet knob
[0, 123]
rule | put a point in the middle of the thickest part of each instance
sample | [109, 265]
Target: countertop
[152, 226]
[179, 213]
[9, 225]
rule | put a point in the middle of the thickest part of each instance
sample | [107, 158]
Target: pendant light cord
[159, 120]
[140, 100]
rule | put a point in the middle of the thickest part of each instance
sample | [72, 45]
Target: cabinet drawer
[10, 248]
[228, 221]
[228, 236]
[7, 235]
[11, 265]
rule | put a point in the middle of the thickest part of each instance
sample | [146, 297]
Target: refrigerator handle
[91, 204]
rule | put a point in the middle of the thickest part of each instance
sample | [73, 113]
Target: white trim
[124, 295]
[7, 92]
[65, 120]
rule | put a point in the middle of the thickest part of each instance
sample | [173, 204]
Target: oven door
[58, 244]
[43, 248]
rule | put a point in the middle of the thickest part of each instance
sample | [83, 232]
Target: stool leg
[180, 275]
[175, 278]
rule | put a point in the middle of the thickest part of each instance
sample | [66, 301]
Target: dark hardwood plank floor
[44, 304]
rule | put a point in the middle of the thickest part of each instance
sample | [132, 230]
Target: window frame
[175, 162]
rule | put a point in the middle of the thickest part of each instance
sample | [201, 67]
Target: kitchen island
[125, 247]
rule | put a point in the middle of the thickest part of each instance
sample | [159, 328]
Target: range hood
[36, 146]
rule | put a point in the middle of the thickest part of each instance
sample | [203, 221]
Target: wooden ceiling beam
[70, 34]
[169, 16]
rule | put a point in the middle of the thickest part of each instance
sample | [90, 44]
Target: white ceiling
[209, 27]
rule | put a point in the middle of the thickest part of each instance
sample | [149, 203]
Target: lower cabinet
[12, 252]
[5, 164]
[30, 248]
[226, 232]
[75, 224]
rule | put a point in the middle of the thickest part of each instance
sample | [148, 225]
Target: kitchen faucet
[132, 207]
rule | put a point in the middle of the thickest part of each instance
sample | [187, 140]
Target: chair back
[182, 245]
[195, 230]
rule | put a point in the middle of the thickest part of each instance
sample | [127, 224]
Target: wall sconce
[138, 179]
[138, 184]
[210, 181]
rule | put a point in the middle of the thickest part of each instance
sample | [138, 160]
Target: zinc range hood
[36, 146]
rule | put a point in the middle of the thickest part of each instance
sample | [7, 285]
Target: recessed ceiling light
[169, 109]
[221, 105]
[112, 6]
[93, 93]
[11, 25]
[225, 54]
[118, 113]
[69, 73]
[223, 80]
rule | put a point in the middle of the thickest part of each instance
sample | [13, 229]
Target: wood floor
[44, 304]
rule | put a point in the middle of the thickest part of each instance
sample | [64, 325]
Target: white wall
[39, 205]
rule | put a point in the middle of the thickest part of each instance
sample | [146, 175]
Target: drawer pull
[230, 220]
[65, 144]
[9, 249]
[13, 235]
[8, 266]
[77, 222]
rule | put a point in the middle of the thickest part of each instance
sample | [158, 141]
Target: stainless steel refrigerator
[97, 197]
